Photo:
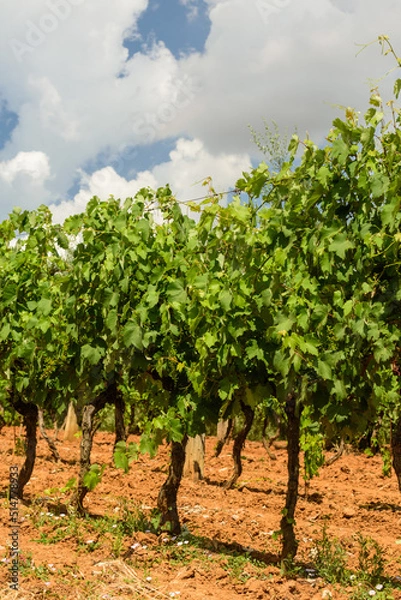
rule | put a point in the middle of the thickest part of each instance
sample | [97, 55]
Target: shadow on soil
[301, 568]
[232, 549]
[381, 506]
[242, 486]
[315, 498]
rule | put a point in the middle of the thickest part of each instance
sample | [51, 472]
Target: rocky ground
[228, 548]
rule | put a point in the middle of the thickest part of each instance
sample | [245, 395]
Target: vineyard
[227, 548]
[279, 311]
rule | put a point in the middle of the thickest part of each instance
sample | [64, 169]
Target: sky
[102, 98]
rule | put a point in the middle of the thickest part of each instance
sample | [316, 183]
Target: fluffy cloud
[22, 181]
[288, 61]
[102, 183]
[189, 165]
[68, 76]
[73, 89]
[34, 165]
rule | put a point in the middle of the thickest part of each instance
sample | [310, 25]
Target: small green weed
[237, 567]
[368, 580]
[378, 592]
[132, 519]
[89, 533]
[330, 559]
[20, 446]
[25, 564]
[27, 567]
[371, 559]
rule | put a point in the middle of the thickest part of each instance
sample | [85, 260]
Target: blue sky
[172, 23]
[8, 121]
[100, 98]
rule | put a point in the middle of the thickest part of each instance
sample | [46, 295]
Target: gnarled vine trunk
[290, 544]
[396, 449]
[224, 429]
[2, 419]
[268, 441]
[49, 441]
[239, 441]
[338, 454]
[88, 430]
[167, 499]
[119, 411]
[29, 414]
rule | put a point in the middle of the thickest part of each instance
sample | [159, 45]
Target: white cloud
[66, 73]
[52, 114]
[34, 165]
[70, 101]
[189, 165]
[102, 183]
[22, 181]
[291, 67]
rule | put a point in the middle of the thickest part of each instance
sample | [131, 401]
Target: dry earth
[227, 551]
